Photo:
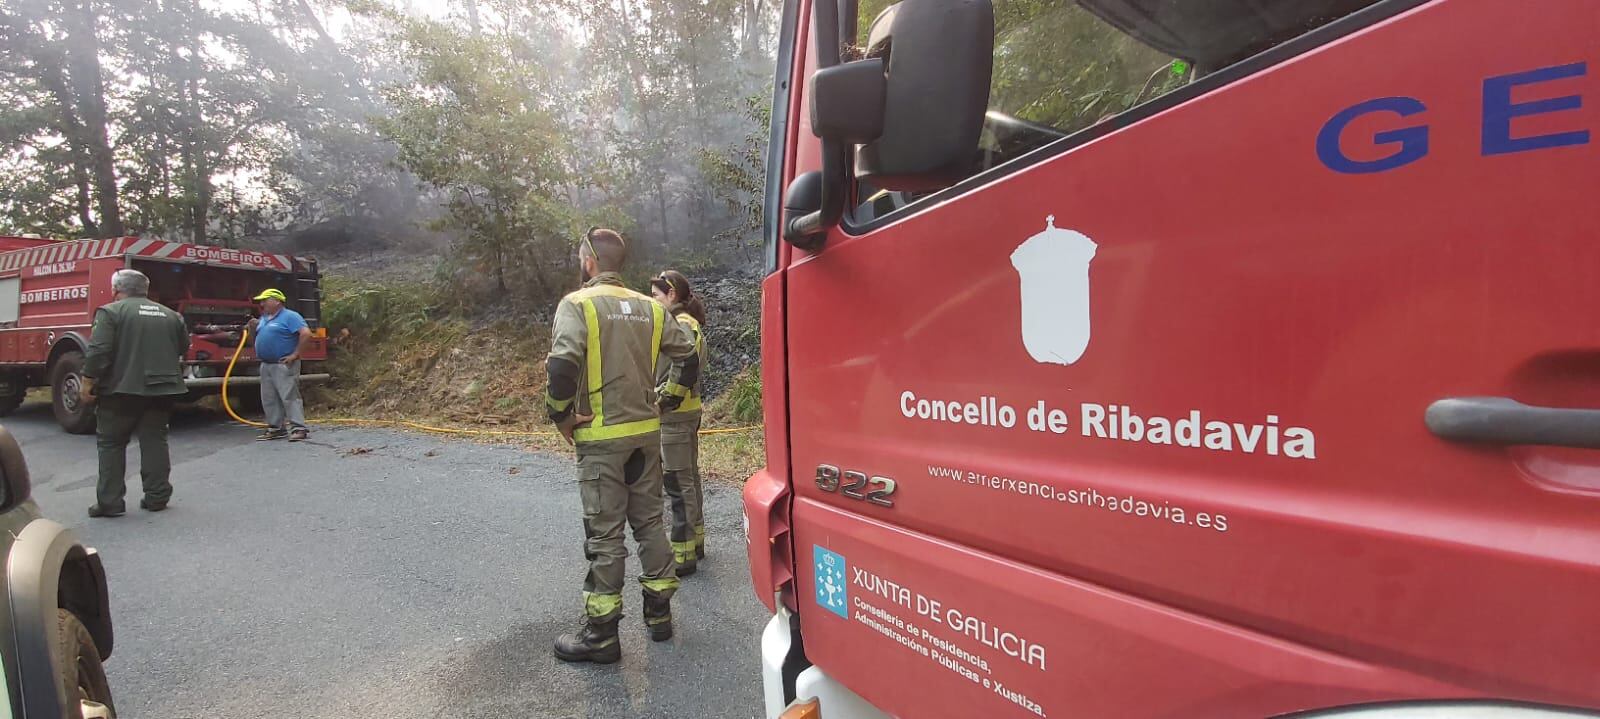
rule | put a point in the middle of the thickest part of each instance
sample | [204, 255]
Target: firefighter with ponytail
[680, 429]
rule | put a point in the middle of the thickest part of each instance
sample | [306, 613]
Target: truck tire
[74, 415]
[245, 400]
[10, 402]
[78, 667]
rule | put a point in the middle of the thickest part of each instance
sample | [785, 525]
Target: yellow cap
[271, 295]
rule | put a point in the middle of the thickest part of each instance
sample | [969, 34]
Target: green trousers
[621, 489]
[680, 462]
[119, 418]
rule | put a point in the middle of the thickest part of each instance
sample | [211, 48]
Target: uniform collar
[605, 278]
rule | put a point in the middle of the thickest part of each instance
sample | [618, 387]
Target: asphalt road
[371, 573]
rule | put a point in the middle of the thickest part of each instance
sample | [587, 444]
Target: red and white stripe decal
[86, 249]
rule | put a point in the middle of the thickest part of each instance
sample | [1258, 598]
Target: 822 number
[856, 485]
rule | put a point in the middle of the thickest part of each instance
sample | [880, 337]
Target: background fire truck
[49, 291]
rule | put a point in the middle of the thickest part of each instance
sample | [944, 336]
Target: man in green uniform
[133, 370]
[605, 345]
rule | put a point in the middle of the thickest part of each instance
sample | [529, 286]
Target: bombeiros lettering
[55, 294]
[222, 254]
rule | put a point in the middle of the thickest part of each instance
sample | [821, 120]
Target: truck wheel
[245, 400]
[72, 413]
[10, 402]
[78, 667]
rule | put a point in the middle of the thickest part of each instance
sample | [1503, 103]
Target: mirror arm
[807, 231]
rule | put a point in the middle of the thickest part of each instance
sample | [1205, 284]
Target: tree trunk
[50, 74]
[751, 44]
[472, 17]
[500, 270]
[83, 58]
[702, 196]
[194, 126]
[636, 73]
[661, 206]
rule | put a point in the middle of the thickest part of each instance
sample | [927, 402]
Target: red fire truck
[49, 291]
[1141, 358]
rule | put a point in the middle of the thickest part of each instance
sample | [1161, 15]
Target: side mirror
[14, 482]
[940, 58]
[911, 112]
[847, 101]
[846, 108]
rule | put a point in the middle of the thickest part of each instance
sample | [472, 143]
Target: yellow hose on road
[245, 336]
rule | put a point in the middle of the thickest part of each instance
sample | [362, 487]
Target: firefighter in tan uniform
[680, 430]
[605, 346]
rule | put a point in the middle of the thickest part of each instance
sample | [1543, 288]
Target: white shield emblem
[1053, 267]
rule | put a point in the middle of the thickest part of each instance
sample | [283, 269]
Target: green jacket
[136, 347]
[616, 337]
[689, 410]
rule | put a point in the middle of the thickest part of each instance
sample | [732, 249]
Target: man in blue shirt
[281, 335]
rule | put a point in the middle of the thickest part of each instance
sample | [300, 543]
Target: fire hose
[244, 338]
[227, 374]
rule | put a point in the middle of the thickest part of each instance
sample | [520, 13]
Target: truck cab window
[1061, 66]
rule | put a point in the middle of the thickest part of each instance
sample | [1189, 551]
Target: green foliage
[373, 311]
[738, 173]
[482, 125]
[743, 397]
[1057, 64]
[503, 126]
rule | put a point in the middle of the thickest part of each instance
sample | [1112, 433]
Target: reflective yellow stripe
[592, 354]
[559, 405]
[659, 315]
[594, 433]
[601, 605]
[692, 403]
[660, 585]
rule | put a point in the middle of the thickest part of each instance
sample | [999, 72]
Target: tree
[57, 75]
[481, 127]
[737, 174]
[249, 121]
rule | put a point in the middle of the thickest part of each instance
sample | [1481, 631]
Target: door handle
[1502, 420]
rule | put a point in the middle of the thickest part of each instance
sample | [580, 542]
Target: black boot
[106, 511]
[658, 617]
[595, 642]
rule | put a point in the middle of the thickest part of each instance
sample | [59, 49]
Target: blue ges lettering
[1409, 143]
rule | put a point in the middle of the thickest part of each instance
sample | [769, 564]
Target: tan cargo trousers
[680, 454]
[620, 489]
